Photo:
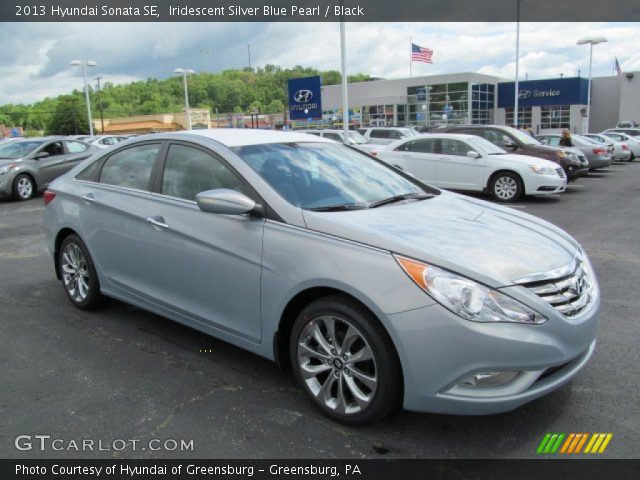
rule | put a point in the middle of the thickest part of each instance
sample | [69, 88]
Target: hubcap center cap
[337, 363]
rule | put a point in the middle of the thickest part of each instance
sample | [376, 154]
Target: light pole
[184, 72]
[591, 41]
[517, 85]
[343, 68]
[85, 64]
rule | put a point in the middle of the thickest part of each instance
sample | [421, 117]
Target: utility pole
[100, 104]
[249, 52]
[517, 85]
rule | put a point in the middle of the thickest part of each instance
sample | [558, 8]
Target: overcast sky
[34, 58]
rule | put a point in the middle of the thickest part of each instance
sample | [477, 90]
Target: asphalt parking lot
[122, 373]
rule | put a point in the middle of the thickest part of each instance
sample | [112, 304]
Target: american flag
[616, 66]
[421, 54]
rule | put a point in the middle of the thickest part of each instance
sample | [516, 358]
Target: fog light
[489, 379]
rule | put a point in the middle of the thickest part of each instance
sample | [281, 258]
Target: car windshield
[485, 146]
[323, 176]
[521, 136]
[18, 149]
[356, 138]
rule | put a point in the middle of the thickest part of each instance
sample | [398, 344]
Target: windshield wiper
[399, 198]
[338, 208]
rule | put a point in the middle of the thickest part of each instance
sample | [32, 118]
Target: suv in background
[516, 141]
[386, 135]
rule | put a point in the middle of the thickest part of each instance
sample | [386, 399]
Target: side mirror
[510, 146]
[224, 201]
[40, 155]
[473, 154]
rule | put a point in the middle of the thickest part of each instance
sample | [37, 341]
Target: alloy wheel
[505, 188]
[337, 364]
[25, 187]
[75, 272]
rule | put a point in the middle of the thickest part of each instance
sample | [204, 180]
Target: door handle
[157, 222]
[88, 197]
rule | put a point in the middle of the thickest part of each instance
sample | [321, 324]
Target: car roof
[455, 136]
[237, 137]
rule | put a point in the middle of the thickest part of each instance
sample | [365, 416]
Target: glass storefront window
[555, 116]
[524, 116]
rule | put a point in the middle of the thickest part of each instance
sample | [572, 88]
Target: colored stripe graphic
[573, 443]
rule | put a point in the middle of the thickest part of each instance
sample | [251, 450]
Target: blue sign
[536, 93]
[305, 98]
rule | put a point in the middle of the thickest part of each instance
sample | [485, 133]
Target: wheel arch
[60, 236]
[297, 303]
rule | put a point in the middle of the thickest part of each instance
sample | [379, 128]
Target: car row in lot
[28, 165]
[375, 288]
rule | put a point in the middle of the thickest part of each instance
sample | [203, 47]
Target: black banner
[320, 469]
[316, 10]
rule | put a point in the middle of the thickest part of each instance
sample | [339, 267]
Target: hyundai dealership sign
[536, 93]
[305, 98]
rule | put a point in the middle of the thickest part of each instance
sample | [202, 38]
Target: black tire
[631, 157]
[498, 184]
[93, 298]
[24, 187]
[386, 365]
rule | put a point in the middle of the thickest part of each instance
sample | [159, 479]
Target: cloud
[34, 60]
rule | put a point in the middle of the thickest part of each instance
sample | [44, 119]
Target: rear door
[456, 169]
[114, 200]
[204, 266]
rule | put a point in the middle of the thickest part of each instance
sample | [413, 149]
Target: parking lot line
[575, 185]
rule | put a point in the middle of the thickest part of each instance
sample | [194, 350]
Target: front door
[203, 265]
[456, 169]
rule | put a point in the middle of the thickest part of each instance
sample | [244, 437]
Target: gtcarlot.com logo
[574, 443]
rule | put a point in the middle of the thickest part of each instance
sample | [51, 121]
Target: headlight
[542, 170]
[467, 298]
[3, 170]
[561, 154]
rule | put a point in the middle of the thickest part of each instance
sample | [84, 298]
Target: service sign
[535, 93]
[305, 98]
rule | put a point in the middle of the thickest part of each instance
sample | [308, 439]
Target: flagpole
[410, 55]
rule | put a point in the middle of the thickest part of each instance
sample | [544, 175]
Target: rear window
[379, 133]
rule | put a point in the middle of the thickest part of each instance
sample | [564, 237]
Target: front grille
[560, 172]
[569, 289]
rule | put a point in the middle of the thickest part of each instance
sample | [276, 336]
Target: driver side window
[189, 171]
[54, 148]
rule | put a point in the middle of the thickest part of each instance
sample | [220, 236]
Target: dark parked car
[28, 166]
[522, 143]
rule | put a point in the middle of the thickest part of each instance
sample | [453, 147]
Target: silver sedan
[375, 289]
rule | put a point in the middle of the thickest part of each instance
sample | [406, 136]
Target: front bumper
[545, 185]
[438, 349]
[6, 185]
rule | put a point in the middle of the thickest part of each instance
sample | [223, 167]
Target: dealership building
[546, 105]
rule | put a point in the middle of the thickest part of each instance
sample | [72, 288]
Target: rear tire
[23, 187]
[79, 277]
[506, 187]
[345, 361]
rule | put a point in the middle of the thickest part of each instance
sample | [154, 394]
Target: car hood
[8, 161]
[480, 240]
[526, 160]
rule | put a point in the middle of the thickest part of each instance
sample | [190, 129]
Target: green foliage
[228, 91]
[69, 117]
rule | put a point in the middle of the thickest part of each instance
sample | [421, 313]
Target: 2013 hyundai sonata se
[375, 289]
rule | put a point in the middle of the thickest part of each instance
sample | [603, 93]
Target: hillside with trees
[238, 91]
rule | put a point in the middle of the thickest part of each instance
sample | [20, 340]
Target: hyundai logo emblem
[524, 94]
[303, 96]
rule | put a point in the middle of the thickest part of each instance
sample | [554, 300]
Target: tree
[69, 117]
[275, 106]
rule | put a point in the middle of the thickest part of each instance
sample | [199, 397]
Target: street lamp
[184, 72]
[85, 64]
[591, 41]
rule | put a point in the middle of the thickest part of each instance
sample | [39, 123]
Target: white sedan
[468, 162]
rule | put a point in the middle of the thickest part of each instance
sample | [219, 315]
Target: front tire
[506, 187]
[345, 361]
[23, 187]
[78, 274]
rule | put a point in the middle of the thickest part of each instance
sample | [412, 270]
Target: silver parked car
[376, 289]
[596, 154]
[356, 139]
[27, 166]
[619, 150]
